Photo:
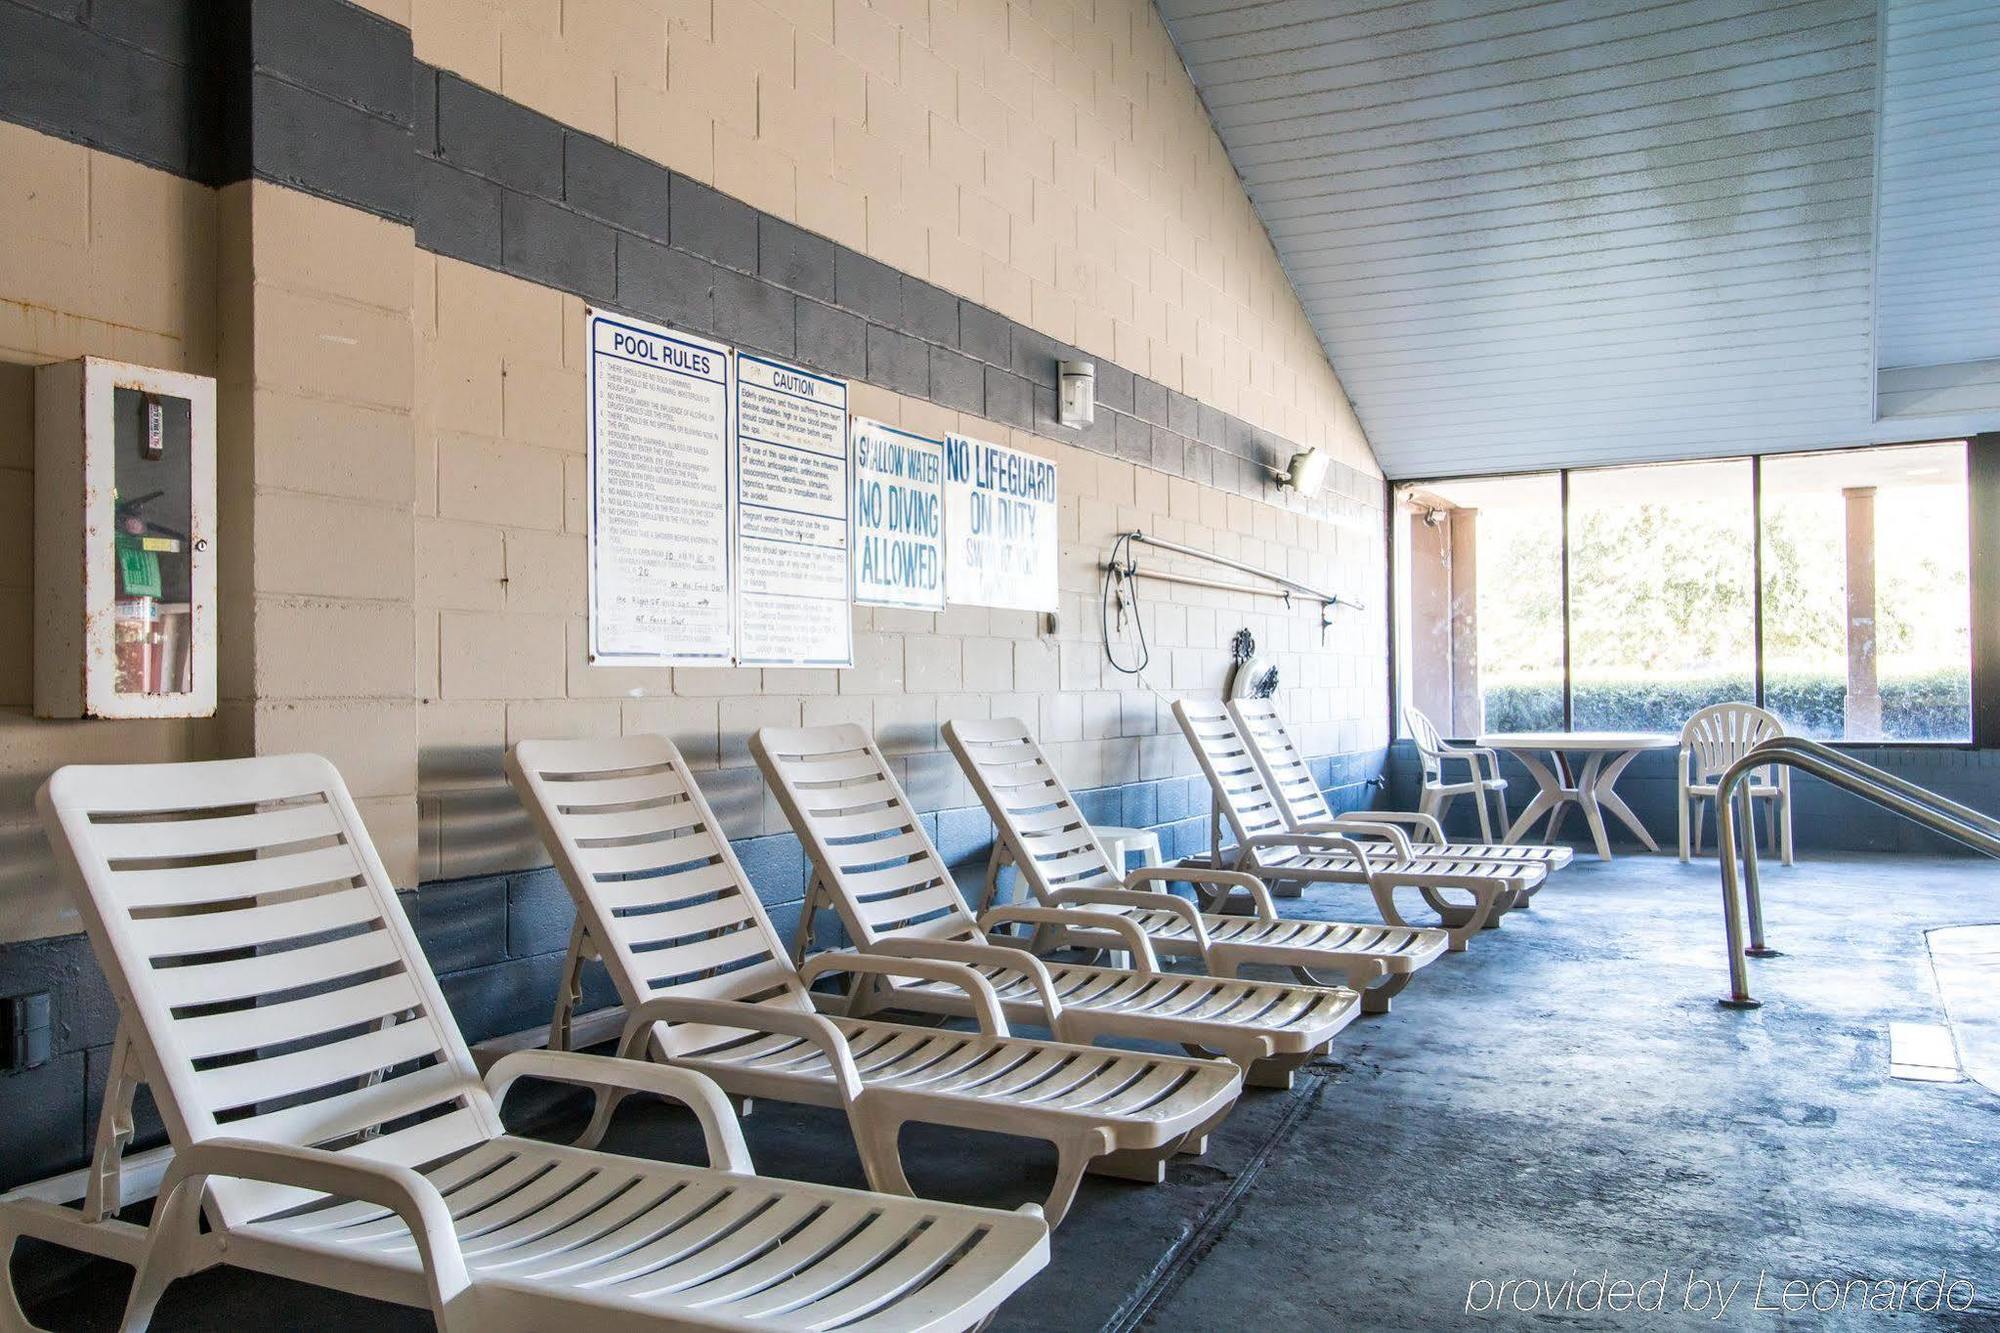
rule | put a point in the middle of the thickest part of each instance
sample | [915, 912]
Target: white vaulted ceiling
[1566, 232]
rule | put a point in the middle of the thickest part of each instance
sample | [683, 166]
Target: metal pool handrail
[1920, 805]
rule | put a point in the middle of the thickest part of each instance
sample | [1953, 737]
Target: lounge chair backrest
[653, 878]
[1720, 734]
[262, 965]
[1236, 786]
[1052, 844]
[860, 831]
[1285, 770]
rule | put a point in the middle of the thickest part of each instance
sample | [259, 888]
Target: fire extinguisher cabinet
[124, 541]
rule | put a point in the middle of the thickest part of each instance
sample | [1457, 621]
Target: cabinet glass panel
[153, 509]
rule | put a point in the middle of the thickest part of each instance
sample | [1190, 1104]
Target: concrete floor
[1564, 1101]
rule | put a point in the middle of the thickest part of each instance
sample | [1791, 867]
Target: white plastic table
[1561, 784]
[1122, 842]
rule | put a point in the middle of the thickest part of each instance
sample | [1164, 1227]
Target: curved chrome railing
[1974, 828]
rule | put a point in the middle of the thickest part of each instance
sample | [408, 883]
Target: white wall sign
[999, 525]
[898, 518]
[659, 461]
[793, 606]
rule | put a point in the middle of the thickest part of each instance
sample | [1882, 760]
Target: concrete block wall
[1048, 159]
[384, 260]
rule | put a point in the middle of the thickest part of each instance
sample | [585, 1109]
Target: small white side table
[1121, 843]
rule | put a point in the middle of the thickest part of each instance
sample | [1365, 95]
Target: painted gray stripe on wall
[325, 97]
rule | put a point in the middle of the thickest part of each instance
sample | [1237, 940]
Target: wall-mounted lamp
[1076, 393]
[1304, 473]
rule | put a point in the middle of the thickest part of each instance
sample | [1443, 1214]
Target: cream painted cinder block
[459, 742]
[348, 450]
[309, 648]
[372, 743]
[694, 725]
[493, 481]
[315, 245]
[44, 192]
[323, 547]
[483, 655]
[460, 566]
[329, 348]
[545, 571]
[542, 404]
[561, 719]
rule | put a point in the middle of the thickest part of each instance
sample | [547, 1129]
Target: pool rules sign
[999, 526]
[659, 458]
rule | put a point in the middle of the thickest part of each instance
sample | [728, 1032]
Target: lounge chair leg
[1274, 1073]
[12, 1316]
[1476, 921]
[176, 1222]
[1148, 1166]
[990, 886]
[1700, 810]
[1073, 1158]
[1375, 999]
[876, 1138]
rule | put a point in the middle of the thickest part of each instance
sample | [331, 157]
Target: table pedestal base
[1559, 786]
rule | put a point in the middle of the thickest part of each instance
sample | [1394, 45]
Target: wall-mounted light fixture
[1304, 473]
[1076, 394]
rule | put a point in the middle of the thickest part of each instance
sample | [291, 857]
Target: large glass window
[1867, 604]
[1661, 585]
[1482, 569]
[1859, 628]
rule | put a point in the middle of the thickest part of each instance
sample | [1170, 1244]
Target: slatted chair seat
[327, 1121]
[548, 1228]
[1266, 845]
[845, 810]
[1044, 836]
[663, 901]
[1304, 808]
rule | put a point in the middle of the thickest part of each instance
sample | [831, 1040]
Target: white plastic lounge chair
[327, 1121]
[1481, 778]
[706, 984]
[1282, 858]
[1075, 881]
[1267, 1030]
[1305, 810]
[1712, 740]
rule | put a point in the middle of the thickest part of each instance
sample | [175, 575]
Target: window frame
[1982, 471]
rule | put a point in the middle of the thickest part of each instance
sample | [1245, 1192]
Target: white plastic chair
[1712, 740]
[1439, 790]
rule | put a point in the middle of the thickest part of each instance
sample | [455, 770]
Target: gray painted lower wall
[1824, 818]
[497, 941]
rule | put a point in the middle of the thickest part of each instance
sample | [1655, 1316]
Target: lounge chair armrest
[1136, 943]
[602, 1073]
[753, 1017]
[1323, 842]
[1426, 826]
[1380, 828]
[1153, 900]
[1260, 895]
[975, 953]
[985, 1000]
[400, 1189]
